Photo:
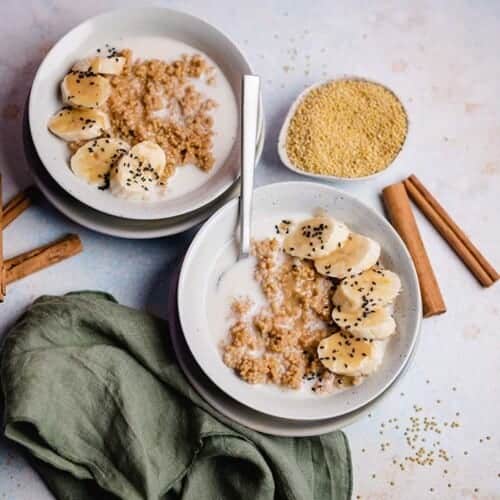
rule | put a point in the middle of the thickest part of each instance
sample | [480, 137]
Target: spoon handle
[250, 88]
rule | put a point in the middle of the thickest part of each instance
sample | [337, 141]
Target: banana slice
[378, 285]
[138, 172]
[72, 124]
[316, 237]
[85, 90]
[111, 65]
[368, 323]
[344, 354]
[94, 160]
[356, 255]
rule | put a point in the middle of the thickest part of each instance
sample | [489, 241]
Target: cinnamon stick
[2, 269]
[35, 260]
[398, 208]
[16, 206]
[451, 232]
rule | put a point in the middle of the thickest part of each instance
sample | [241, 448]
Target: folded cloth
[92, 391]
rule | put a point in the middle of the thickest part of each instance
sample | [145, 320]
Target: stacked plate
[191, 195]
[197, 341]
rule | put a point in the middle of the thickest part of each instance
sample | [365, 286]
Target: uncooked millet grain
[346, 128]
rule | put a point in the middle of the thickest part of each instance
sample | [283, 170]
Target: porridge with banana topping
[324, 321]
[132, 122]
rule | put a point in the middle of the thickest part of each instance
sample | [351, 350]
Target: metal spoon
[250, 94]
[250, 89]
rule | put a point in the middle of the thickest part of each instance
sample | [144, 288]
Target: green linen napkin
[92, 391]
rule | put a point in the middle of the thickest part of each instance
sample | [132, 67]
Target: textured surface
[441, 58]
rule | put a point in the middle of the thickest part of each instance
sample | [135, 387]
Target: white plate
[240, 413]
[189, 189]
[272, 203]
[116, 226]
[284, 130]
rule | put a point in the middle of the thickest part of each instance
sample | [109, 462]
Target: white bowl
[118, 27]
[272, 203]
[282, 152]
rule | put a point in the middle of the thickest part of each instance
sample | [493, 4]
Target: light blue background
[441, 58]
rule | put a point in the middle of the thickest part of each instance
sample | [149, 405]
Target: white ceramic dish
[116, 226]
[272, 203]
[241, 414]
[190, 189]
[283, 135]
